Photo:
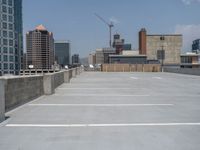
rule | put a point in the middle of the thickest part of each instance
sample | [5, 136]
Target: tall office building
[196, 46]
[171, 44]
[40, 48]
[18, 22]
[75, 59]
[62, 52]
[11, 45]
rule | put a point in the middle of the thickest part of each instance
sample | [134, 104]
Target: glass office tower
[18, 22]
[62, 53]
[11, 45]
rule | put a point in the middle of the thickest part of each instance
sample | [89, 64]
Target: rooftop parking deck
[110, 111]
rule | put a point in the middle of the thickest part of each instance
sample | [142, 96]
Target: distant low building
[171, 45]
[102, 55]
[99, 56]
[127, 47]
[130, 52]
[92, 59]
[127, 59]
[190, 60]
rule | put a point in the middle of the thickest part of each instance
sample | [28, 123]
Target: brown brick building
[40, 48]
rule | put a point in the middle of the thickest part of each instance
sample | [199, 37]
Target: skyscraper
[11, 45]
[40, 48]
[75, 59]
[62, 52]
[196, 46]
[18, 22]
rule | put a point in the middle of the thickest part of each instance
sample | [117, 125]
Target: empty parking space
[110, 111]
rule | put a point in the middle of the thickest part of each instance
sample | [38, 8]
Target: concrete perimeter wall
[130, 68]
[15, 91]
[190, 71]
[21, 90]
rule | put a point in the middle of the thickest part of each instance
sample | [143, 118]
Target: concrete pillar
[48, 84]
[2, 100]
[74, 72]
[66, 76]
[79, 70]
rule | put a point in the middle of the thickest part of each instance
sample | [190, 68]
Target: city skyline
[86, 32]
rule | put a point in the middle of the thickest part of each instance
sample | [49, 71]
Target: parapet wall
[21, 90]
[130, 68]
[189, 71]
[15, 91]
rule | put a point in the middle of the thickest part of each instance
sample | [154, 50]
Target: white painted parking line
[159, 78]
[94, 88]
[101, 95]
[102, 105]
[102, 125]
[135, 78]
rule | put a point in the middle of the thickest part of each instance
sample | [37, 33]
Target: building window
[10, 26]
[5, 58]
[10, 18]
[0, 66]
[10, 3]
[4, 2]
[10, 34]
[5, 42]
[0, 58]
[4, 17]
[4, 25]
[5, 72]
[5, 66]
[5, 50]
[5, 34]
[4, 9]
[10, 42]
[11, 50]
[11, 59]
[11, 66]
[10, 10]
[16, 66]
[16, 58]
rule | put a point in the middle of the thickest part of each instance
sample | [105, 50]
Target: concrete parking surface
[110, 111]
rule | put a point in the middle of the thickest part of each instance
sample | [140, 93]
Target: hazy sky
[74, 20]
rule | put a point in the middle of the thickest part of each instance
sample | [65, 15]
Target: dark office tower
[18, 23]
[75, 59]
[11, 36]
[196, 46]
[62, 53]
[142, 42]
[40, 48]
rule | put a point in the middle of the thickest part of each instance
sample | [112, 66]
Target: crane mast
[110, 25]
